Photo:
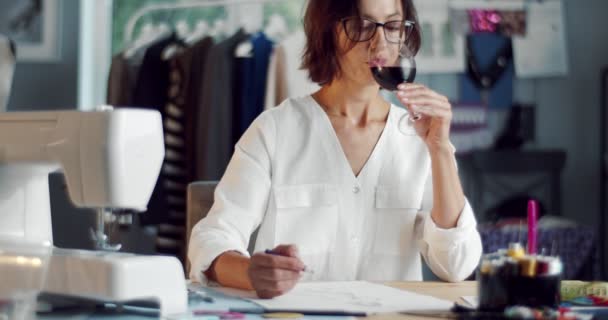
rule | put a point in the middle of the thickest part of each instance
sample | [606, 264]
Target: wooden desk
[441, 290]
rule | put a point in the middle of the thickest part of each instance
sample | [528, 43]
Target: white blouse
[289, 177]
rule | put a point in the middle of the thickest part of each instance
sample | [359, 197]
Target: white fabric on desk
[290, 175]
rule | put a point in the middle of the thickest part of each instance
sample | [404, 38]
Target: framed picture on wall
[442, 48]
[34, 26]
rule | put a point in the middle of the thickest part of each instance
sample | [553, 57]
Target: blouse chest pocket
[396, 209]
[307, 216]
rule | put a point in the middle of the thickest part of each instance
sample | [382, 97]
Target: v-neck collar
[336, 146]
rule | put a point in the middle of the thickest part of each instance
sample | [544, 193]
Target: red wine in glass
[390, 77]
[392, 65]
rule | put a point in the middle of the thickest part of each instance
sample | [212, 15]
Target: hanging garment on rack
[215, 117]
[172, 230]
[124, 72]
[120, 82]
[199, 51]
[179, 127]
[151, 93]
[285, 69]
[249, 84]
[7, 69]
[298, 82]
[153, 76]
[490, 70]
[276, 79]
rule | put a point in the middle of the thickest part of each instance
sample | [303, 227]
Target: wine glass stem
[414, 116]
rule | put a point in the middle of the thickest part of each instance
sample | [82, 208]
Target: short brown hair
[320, 55]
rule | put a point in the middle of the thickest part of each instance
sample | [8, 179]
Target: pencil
[305, 270]
[532, 230]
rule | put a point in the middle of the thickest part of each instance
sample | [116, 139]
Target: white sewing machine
[111, 160]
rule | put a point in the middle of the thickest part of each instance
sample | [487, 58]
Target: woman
[334, 185]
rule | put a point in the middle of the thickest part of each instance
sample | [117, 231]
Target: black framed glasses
[360, 29]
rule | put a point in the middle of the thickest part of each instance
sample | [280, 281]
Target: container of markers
[510, 277]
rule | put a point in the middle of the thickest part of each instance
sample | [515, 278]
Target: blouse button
[356, 189]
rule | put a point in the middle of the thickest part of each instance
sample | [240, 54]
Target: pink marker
[532, 217]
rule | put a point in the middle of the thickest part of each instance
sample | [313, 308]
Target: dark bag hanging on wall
[490, 71]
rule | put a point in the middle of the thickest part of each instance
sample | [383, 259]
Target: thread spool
[528, 267]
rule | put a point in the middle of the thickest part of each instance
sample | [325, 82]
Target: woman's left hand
[435, 111]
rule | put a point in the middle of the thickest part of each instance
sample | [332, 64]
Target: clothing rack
[130, 26]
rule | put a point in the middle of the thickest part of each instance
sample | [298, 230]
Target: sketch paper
[346, 296]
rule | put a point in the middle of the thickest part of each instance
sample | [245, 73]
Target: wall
[47, 86]
[567, 107]
[51, 86]
[567, 114]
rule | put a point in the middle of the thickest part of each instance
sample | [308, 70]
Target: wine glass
[392, 64]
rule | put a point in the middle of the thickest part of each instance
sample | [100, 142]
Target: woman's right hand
[274, 274]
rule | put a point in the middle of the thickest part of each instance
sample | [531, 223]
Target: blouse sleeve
[452, 254]
[240, 199]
